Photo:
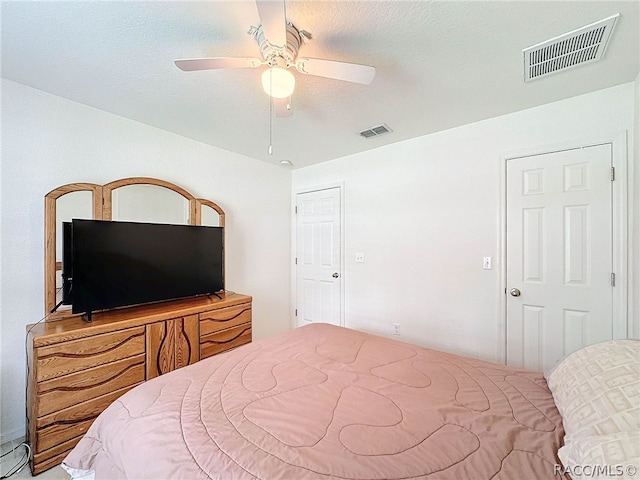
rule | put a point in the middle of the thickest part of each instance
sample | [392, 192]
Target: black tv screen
[115, 264]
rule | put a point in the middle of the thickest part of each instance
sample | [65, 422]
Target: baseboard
[11, 443]
[13, 457]
[12, 435]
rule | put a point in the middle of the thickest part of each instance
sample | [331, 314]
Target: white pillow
[597, 389]
[597, 392]
[603, 456]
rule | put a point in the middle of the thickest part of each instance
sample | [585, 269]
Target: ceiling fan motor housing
[276, 55]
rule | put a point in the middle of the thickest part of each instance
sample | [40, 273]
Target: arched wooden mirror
[148, 200]
[137, 199]
[209, 214]
[75, 200]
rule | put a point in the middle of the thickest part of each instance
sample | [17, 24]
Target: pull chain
[270, 112]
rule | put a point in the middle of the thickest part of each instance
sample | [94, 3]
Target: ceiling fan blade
[349, 72]
[274, 22]
[191, 64]
[282, 107]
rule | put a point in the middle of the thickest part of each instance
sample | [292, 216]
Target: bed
[328, 402]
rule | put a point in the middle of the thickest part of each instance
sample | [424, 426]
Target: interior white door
[559, 254]
[318, 257]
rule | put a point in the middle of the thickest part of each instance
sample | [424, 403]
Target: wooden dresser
[77, 369]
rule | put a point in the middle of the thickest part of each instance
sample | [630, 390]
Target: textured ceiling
[439, 64]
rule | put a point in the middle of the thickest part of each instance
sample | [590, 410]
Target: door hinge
[296, 209]
[296, 312]
[613, 173]
[296, 260]
[613, 279]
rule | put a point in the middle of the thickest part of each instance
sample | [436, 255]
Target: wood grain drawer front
[52, 457]
[187, 339]
[58, 427]
[68, 357]
[62, 392]
[225, 340]
[172, 344]
[161, 348]
[217, 320]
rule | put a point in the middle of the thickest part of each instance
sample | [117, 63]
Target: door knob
[514, 292]
[335, 275]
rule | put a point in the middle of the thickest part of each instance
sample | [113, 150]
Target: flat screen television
[108, 264]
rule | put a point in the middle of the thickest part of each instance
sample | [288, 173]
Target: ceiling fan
[279, 42]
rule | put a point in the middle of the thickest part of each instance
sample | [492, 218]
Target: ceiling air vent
[584, 45]
[374, 131]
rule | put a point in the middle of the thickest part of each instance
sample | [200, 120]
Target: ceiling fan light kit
[278, 82]
[279, 42]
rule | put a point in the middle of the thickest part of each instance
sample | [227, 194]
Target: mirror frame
[102, 210]
[107, 194]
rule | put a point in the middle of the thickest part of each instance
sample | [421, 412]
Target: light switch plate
[487, 263]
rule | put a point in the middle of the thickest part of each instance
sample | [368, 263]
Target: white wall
[424, 212]
[48, 141]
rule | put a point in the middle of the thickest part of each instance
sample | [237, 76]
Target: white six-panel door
[318, 257]
[559, 254]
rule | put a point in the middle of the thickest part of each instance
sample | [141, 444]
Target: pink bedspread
[328, 402]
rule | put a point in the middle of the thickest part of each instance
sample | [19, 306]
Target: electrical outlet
[359, 257]
[396, 329]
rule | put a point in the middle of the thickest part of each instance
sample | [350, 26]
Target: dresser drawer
[215, 343]
[54, 456]
[71, 422]
[62, 392]
[217, 320]
[64, 358]
[50, 439]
